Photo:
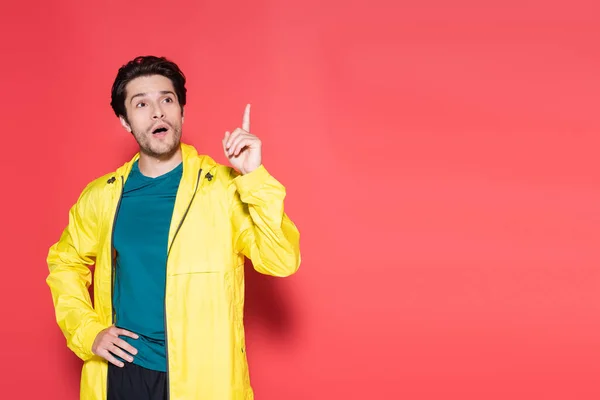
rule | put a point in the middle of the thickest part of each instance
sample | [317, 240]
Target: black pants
[133, 382]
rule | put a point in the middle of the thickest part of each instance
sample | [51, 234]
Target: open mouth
[161, 129]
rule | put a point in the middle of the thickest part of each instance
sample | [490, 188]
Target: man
[168, 233]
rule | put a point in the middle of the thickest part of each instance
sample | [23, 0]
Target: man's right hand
[107, 344]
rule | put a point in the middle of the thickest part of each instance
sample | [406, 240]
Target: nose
[158, 113]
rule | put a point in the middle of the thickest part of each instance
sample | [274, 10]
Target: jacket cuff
[89, 335]
[253, 180]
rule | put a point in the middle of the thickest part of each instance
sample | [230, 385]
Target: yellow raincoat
[219, 217]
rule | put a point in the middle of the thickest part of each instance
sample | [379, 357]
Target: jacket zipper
[166, 277]
[114, 260]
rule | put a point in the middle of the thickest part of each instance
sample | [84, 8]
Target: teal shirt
[141, 238]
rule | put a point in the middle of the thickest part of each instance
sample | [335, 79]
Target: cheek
[175, 117]
[138, 122]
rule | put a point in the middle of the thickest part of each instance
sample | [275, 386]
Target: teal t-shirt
[141, 238]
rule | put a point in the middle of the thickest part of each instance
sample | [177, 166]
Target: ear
[125, 124]
[182, 115]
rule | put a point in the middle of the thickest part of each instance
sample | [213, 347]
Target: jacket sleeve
[262, 231]
[70, 277]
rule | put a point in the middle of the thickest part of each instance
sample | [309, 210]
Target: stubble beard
[160, 150]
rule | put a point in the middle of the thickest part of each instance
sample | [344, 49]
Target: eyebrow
[162, 92]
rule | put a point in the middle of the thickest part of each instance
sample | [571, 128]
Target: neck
[153, 166]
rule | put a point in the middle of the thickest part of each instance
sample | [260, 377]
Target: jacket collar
[193, 164]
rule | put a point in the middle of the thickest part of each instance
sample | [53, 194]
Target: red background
[441, 161]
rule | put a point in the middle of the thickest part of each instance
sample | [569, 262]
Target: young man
[168, 233]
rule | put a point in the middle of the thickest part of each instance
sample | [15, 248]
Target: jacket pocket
[198, 260]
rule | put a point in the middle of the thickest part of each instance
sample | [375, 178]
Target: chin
[168, 149]
[160, 151]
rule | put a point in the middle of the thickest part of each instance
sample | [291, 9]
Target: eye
[169, 100]
[140, 104]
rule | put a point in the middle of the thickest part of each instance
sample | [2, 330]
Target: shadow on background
[266, 304]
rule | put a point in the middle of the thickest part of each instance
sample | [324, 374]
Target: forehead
[153, 84]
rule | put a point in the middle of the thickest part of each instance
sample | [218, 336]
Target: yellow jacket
[219, 217]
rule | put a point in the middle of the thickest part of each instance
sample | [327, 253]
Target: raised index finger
[246, 119]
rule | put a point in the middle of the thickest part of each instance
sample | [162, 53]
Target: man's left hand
[243, 149]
